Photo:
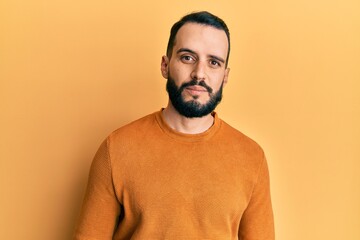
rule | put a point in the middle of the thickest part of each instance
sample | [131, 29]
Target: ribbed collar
[185, 137]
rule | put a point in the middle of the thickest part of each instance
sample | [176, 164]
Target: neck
[186, 125]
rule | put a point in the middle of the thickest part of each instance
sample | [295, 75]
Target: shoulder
[232, 135]
[247, 152]
[136, 128]
[130, 138]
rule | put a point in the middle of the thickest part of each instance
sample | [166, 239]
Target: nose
[198, 72]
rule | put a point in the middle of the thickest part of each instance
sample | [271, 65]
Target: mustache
[195, 82]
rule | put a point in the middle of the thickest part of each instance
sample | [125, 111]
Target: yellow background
[73, 71]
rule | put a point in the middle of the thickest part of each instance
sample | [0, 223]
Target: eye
[187, 58]
[215, 63]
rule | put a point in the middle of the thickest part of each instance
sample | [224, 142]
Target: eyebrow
[218, 58]
[185, 50]
[191, 51]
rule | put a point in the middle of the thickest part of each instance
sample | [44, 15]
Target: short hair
[204, 18]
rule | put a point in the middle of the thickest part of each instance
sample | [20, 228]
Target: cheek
[217, 79]
[180, 74]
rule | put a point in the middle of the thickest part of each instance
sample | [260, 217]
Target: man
[181, 172]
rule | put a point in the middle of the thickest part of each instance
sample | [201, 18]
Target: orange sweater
[148, 181]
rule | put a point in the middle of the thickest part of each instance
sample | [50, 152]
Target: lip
[197, 89]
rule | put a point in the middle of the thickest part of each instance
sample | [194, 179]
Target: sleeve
[101, 208]
[257, 222]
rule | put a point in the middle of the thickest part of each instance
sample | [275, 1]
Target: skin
[200, 53]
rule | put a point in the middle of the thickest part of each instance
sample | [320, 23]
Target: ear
[165, 66]
[226, 76]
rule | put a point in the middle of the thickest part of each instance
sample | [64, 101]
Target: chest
[197, 181]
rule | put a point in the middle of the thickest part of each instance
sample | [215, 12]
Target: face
[196, 71]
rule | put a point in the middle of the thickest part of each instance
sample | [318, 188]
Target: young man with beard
[181, 172]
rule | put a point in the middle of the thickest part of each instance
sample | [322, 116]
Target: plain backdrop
[73, 71]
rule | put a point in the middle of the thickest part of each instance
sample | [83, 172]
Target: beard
[192, 108]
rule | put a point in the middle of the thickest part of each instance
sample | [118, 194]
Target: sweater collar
[185, 137]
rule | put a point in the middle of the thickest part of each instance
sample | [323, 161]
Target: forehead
[202, 39]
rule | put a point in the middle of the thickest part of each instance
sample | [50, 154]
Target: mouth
[196, 89]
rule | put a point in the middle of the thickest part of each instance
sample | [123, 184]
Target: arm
[100, 208]
[257, 222]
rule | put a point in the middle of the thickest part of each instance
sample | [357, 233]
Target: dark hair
[204, 18]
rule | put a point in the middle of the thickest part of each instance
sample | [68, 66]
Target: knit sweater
[148, 181]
